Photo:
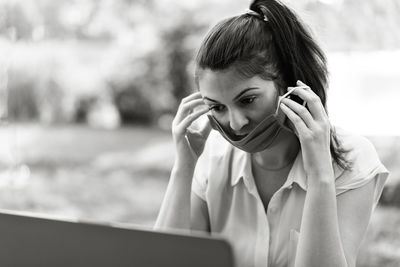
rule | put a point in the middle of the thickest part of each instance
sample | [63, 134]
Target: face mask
[262, 136]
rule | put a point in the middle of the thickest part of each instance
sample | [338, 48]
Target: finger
[313, 101]
[187, 107]
[300, 83]
[191, 105]
[307, 88]
[196, 138]
[191, 97]
[200, 126]
[206, 129]
[189, 119]
[298, 123]
[300, 110]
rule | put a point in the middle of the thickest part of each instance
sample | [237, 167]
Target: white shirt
[223, 178]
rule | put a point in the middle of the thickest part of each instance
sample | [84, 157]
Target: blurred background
[88, 91]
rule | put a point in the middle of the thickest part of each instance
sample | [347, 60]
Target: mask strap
[282, 97]
[285, 95]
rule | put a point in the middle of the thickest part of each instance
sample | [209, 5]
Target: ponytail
[298, 56]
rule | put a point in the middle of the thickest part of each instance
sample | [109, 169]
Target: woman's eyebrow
[243, 92]
[209, 99]
[236, 97]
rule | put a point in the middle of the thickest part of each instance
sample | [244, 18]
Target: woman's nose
[237, 120]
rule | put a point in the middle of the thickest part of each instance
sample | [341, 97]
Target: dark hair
[279, 49]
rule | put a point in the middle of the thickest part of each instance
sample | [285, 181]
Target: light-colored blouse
[223, 178]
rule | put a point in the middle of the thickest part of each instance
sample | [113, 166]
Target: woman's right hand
[189, 143]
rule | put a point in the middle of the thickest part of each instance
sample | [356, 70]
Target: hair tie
[256, 14]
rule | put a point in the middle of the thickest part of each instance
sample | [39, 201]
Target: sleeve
[366, 167]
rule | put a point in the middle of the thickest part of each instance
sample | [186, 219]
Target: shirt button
[271, 209]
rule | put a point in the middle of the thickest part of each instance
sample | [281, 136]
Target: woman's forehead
[229, 82]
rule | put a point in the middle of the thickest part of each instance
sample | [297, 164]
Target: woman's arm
[189, 144]
[332, 228]
[181, 208]
[175, 208]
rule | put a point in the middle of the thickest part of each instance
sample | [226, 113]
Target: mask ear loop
[282, 97]
[286, 95]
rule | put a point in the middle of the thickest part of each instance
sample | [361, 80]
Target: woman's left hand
[313, 128]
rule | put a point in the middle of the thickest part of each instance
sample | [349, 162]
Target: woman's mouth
[238, 136]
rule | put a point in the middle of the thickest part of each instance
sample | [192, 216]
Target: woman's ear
[281, 86]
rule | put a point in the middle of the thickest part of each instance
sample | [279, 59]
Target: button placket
[273, 206]
[264, 238]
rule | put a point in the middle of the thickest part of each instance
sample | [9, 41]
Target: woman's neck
[281, 154]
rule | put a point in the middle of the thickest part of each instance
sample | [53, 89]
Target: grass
[87, 173]
[121, 175]
[381, 246]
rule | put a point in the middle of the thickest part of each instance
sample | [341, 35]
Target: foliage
[143, 50]
[356, 24]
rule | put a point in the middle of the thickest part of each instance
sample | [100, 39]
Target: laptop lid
[30, 240]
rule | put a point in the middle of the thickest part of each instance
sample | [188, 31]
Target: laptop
[28, 239]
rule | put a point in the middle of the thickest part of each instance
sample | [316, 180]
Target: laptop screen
[28, 240]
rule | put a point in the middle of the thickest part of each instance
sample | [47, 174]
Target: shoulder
[216, 148]
[221, 161]
[365, 163]
[215, 159]
[359, 150]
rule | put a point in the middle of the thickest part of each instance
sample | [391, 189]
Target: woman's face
[237, 103]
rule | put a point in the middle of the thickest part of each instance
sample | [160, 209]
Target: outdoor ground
[121, 175]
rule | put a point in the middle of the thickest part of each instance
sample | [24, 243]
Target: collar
[241, 169]
[241, 166]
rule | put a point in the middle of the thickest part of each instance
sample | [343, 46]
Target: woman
[288, 188]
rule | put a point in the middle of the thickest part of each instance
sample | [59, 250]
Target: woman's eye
[248, 100]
